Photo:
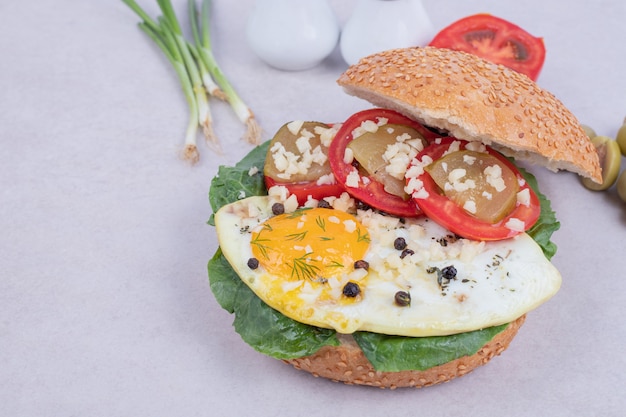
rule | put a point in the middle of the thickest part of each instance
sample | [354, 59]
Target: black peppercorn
[253, 263]
[351, 289]
[323, 204]
[403, 298]
[399, 243]
[278, 208]
[361, 264]
[406, 252]
[449, 272]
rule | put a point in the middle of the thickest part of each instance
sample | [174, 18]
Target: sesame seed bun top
[476, 100]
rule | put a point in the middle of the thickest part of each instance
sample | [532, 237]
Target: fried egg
[366, 271]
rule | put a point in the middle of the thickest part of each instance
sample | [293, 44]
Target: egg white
[496, 282]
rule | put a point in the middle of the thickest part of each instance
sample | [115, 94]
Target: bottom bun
[347, 363]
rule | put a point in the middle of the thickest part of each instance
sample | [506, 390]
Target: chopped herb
[303, 269]
[297, 236]
[362, 238]
[321, 223]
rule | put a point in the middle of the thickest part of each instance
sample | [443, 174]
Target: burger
[404, 246]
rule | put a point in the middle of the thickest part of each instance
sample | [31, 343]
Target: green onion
[197, 72]
[170, 23]
[202, 40]
[190, 151]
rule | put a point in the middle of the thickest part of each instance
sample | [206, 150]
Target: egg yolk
[310, 244]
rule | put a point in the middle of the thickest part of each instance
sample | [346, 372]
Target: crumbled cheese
[456, 175]
[369, 126]
[420, 194]
[487, 195]
[455, 183]
[303, 144]
[291, 204]
[348, 156]
[291, 285]
[253, 171]
[353, 179]
[334, 219]
[470, 206]
[350, 225]
[326, 135]
[307, 134]
[253, 210]
[295, 126]
[523, 197]
[515, 225]
[343, 203]
[494, 178]
[469, 160]
[398, 156]
[476, 147]
[326, 179]
[413, 185]
[417, 167]
[318, 156]
[278, 192]
[455, 146]
[310, 202]
[241, 195]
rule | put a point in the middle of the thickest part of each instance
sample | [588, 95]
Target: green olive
[610, 159]
[621, 138]
[589, 131]
[621, 186]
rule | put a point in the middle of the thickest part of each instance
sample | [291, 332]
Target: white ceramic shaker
[378, 25]
[292, 35]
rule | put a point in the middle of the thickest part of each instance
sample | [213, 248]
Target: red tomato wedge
[496, 40]
[453, 217]
[370, 191]
[304, 190]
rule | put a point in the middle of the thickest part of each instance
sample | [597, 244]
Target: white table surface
[105, 306]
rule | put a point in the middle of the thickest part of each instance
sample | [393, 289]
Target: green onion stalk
[190, 151]
[202, 39]
[170, 22]
[197, 73]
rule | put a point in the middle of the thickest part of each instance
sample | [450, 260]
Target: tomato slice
[304, 190]
[453, 217]
[496, 40]
[370, 191]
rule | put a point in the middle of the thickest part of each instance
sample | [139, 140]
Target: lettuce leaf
[259, 325]
[271, 333]
[235, 183]
[547, 223]
[401, 353]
